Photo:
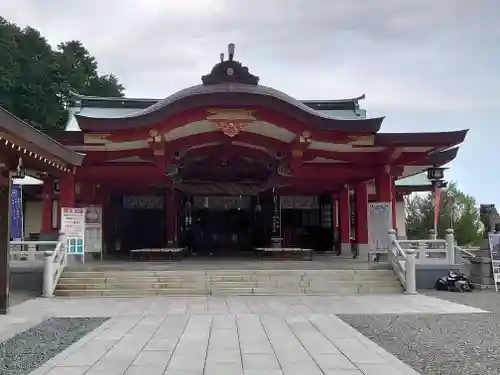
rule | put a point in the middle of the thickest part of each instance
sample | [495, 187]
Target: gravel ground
[465, 344]
[30, 349]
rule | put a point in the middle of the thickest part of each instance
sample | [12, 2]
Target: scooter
[454, 282]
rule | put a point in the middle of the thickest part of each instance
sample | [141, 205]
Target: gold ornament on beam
[230, 121]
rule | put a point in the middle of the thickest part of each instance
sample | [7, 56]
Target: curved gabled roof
[230, 95]
[142, 103]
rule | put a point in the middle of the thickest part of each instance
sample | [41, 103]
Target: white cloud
[426, 64]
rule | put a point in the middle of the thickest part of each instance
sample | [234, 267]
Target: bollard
[48, 274]
[411, 276]
[450, 245]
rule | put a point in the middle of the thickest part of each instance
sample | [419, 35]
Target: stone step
[152, 284]
[129, 292]
[231, 282]
[340, 275]
[220, 292]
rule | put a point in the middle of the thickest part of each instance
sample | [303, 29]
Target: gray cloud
[426, 64]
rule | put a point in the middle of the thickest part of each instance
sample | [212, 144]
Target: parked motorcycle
[454, 282]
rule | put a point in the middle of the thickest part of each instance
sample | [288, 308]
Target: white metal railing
[29, 250]
[53, 266]
[403, 263]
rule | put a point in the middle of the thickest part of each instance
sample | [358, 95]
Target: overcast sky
[428, 65]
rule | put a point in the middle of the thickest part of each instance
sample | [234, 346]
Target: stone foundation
[427, 274]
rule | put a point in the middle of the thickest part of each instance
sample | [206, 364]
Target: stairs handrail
[403, 263]
[466, 252]
[53, 266]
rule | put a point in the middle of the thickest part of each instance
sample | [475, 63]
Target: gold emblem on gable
[230, 121]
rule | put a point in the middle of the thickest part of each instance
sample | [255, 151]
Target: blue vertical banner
[16, 213]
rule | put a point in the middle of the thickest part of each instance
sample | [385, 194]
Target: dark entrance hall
[139, 222]
[221, 233]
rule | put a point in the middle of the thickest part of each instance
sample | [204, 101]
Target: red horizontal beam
[392, 156]
[318, 170]
[326, 175]
[362, 158]
[334, 171]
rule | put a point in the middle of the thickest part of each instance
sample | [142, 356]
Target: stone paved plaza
[217, 335]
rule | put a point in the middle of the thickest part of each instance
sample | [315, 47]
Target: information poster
[93, 229]
[379, 223]
[73, 227]
[494, 240]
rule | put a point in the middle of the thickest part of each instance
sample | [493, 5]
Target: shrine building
[230, 164]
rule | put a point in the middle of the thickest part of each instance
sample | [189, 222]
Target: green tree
[28, 69]
[35, 80]
[457, 210]
[78, 69]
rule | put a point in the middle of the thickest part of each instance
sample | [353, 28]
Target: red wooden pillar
[385, 187]
[47, 198]
[171, 217]
[345, 220]
[67, 188]
[361, 202]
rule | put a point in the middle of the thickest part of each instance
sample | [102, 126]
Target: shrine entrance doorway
[141, 222]
[225, 226]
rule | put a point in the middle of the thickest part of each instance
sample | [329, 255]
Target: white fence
[432, 251]
[52, 253]
[30, 250]
[404, 255]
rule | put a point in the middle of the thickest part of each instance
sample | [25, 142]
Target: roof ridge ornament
[227, 71]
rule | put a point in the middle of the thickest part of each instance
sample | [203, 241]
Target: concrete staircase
[225, 282]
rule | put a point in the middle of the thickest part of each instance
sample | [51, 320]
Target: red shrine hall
[229, 164]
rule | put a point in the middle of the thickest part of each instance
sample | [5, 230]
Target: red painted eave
[37, 141]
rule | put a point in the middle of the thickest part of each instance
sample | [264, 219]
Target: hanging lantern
[20, 170]
[435, 173]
